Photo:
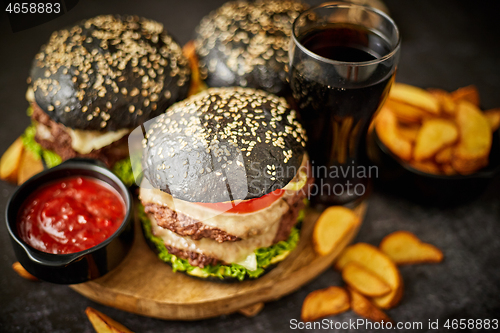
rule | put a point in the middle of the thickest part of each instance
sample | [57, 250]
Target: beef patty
[61, 142]
[184, 225]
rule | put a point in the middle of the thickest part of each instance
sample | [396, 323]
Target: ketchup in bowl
[70, 215]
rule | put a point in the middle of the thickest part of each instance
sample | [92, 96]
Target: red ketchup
[70, 215]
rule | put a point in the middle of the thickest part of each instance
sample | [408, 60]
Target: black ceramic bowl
[400, 178]
[80, 266]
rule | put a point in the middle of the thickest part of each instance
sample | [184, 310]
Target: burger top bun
[109, 73]
[246, 44]
[224, 144]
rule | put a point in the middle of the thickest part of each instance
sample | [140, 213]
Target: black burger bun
[109, 73]
[224, 144]
[246, 44]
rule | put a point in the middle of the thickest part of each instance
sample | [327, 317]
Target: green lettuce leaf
[264, 255]
[51, 158]
[29, 142]
[123, 169]
[28, 137]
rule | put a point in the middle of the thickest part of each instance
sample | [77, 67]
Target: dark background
[446, 44]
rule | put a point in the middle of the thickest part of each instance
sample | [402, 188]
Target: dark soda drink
[337, 91]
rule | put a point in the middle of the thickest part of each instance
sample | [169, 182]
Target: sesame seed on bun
[246, 44]
[109, 73]
[237, 143]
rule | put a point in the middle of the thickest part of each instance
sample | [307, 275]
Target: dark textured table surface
[446, 44]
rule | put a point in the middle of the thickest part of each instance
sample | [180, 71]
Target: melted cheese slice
[230, 252]
[44, 132]
[84, 142]
[30, 95]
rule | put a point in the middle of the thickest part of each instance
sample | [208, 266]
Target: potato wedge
[23, 272]
[427, 167]
[409, 133]
[415, 96]
[446, 102]
[10, 161]
[332, 226]
[364, 281]
[493, 117]
[444, 156]
[405, 113]
[365, 308]
[325, 302]
[448, 169]
[30, 165]
[434, 135]
[386, 129]
[404, 248]
[374, 260]
[469, 166]
[104, 324]
[469, 93]
[471, 152]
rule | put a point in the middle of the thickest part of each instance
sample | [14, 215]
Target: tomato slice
[245, 206]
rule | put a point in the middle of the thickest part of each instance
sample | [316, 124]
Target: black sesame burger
[225, 178]
[246, 43]
[94, 82]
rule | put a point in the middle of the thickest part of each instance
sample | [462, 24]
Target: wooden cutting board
[145, 285]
